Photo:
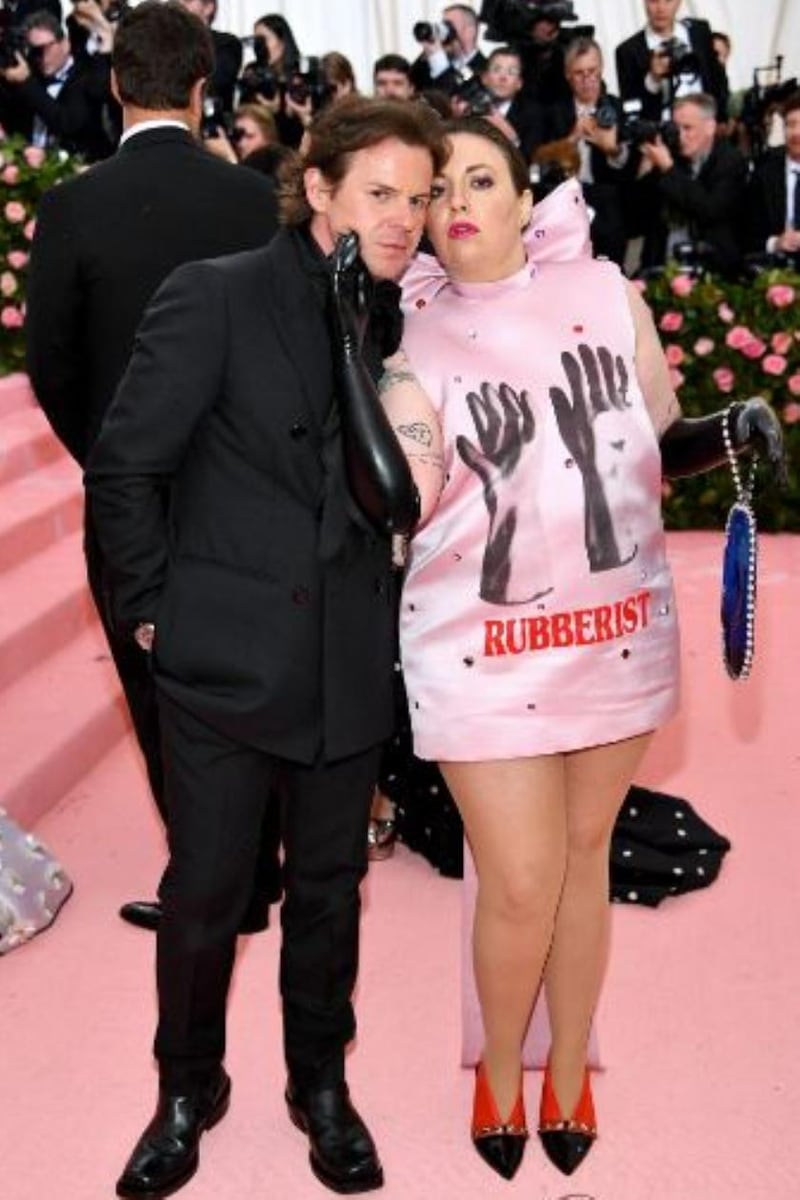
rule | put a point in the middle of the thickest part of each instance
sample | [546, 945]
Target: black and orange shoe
[566, 1141]
[499, 1143]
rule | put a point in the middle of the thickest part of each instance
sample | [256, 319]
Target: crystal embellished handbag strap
[738, 603]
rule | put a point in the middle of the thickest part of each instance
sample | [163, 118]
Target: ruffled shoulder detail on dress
[559, 231]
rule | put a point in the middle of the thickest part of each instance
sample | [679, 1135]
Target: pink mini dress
[537, 613]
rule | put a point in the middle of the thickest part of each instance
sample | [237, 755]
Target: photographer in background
[512, 113]
[591, 121]
[52, 98]
[774, 194]
[227, 56]
[449, 50]
[669, 59]
[696, 192]
[391, 78]
[537, 31]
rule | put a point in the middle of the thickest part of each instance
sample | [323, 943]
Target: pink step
[26, 442]
[15, 393]
[58, 722]
[45, 603]
[38, 509]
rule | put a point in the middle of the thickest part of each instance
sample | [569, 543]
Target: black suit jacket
[633, 64]
[104, 242]
[227, 397]
[767, 199]
[80, 118]
[449, 80]
[712, 207]
[227, 65]
[528, 121]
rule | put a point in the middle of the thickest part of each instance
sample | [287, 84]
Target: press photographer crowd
[674, 167]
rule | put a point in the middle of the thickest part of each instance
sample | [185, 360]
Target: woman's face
[274, 43]
[476, 218]
[247, 136]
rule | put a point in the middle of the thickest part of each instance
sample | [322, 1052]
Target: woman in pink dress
[538, 630]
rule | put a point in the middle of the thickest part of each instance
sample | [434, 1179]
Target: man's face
[465, 27]
[545, 30]
[696, 131]
[792, 127]
[393, 85]
[197, 7]
[383, 198]
[50, 53]
[661, 15]
[503, 76]
[585, 76]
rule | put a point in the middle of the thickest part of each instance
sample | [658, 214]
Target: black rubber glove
[378, 473]
[693, 445]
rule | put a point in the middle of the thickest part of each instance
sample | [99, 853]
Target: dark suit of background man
[269, 609]
[104, 242]
[774, 193]
[655, 79]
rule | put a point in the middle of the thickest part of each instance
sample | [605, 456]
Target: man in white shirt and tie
[775, 191]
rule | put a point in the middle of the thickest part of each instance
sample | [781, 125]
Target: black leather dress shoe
[146, 914]
[166, 1155]
[341, 1150]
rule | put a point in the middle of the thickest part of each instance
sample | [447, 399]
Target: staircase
[61, 709]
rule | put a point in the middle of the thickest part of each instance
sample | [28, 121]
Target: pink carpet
[699, 1024]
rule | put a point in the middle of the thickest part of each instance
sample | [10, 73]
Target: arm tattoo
[418, 432]
[390, 378]
[427, 460]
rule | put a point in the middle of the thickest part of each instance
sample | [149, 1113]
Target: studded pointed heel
[566, 1142]
[500, 1143]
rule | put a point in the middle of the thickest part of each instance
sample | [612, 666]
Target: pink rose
[781, 342]
[30, 229]
[34, 156]
[674, 355]
[781, 295]
[10, 174]
[15, 212]
[682, 285]
[724, 378]
[754, 348]
[793, 384]
[676, 378]
[774, 364]
[703, 346]
[671, 322]
[725, 313]
[8, 283]
[738, 337]
[11, 317]
[791, 413]
[17, 259]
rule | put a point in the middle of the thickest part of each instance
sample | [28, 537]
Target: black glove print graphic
[505, 426]
[599, 383]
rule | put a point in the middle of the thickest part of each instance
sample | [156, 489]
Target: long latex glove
[378, 474]
[692, 445]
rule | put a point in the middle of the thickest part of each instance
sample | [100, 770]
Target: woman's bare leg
[596, 782]
[515, 818]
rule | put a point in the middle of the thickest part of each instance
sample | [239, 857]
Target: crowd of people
[672, 167]
[268, 435]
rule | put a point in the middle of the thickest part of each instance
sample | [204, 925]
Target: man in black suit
[520, 119]
[266, 601]
[444, 64]
[104, 242]
[54, 99]
[591, 121]
[697, 195]
[774, 192]
[669, 59]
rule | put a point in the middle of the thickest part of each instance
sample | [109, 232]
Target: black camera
[606, 114]
[309, 83]
[682, 59]
[636, 130]
[212, 121]
[512, 20]
[470, 91]
[13, 41]
[434, 31]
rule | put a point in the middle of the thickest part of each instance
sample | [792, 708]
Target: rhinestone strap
[744, 492]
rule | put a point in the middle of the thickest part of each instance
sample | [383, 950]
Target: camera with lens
[13, 41]
[212, 121]
[512, 20]
[636, 130]
[434, 31]
[682, 59]
[470, 91]
[606, 114]
[309, 83]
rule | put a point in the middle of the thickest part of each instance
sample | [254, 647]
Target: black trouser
[217, 791]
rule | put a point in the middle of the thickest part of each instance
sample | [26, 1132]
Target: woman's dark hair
[352, 124]
[160, 52]
[480, 127]
[337, 70]
[290, 61]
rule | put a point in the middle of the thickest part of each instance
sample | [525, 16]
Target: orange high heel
[499, 1143]
[566, 1142]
